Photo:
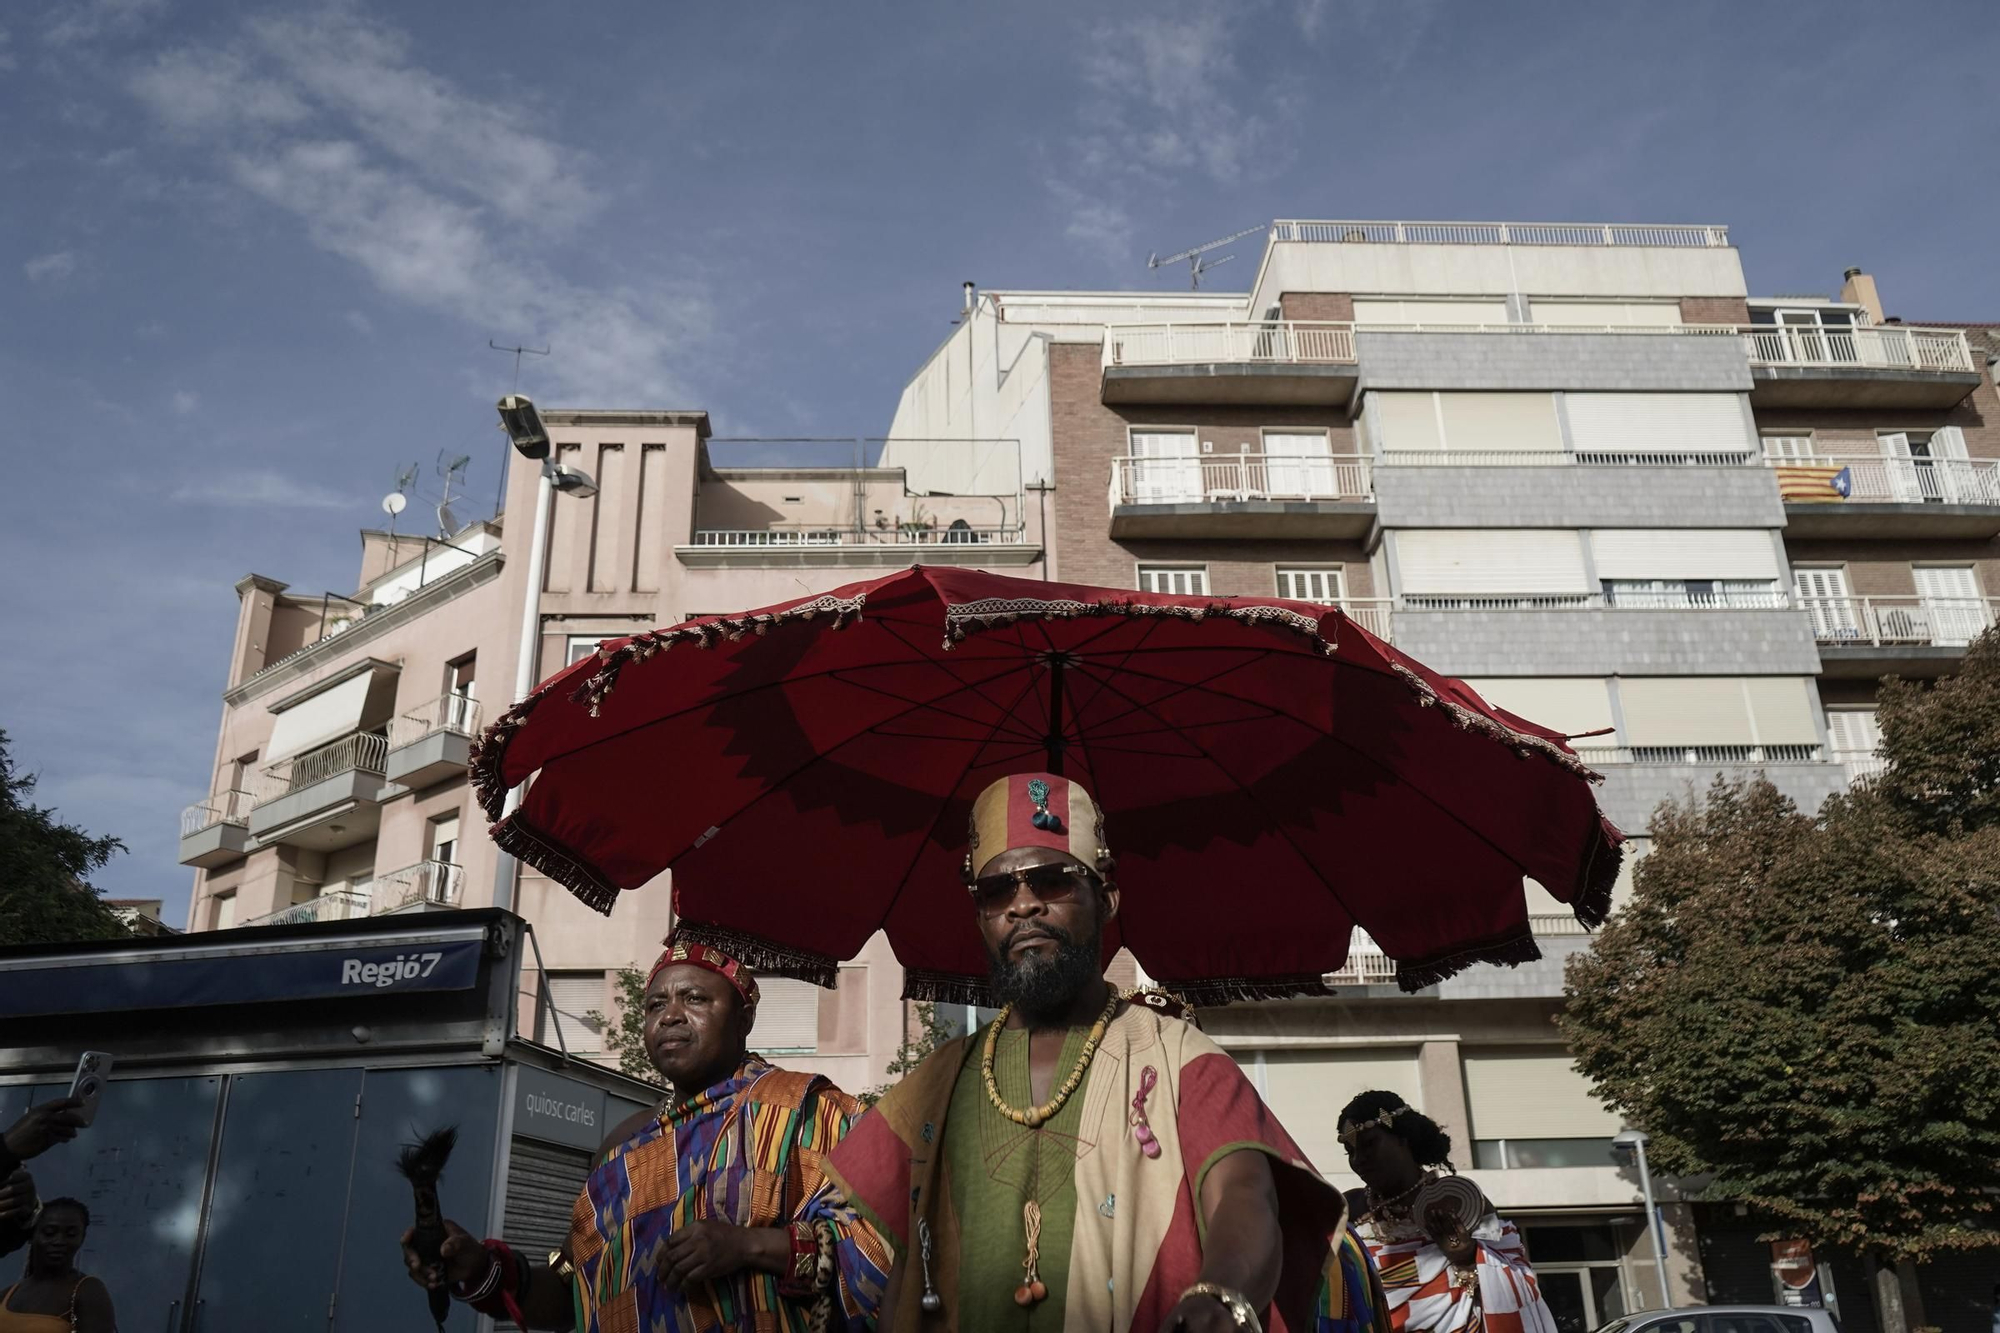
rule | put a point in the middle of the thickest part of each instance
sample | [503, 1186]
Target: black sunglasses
[1053, 883]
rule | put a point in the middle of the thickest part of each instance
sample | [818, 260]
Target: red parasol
[1271, 774]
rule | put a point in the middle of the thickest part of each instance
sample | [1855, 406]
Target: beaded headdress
[713, 959]
[1350, 1130]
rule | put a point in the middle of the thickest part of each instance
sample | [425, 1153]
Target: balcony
[1888, 497]
[433, 743]
[1367, 965]
[1698, 756]
[324, 799]
[1871, 637]
[1266, 362]
[1618, 234]
[422, 887]
[216, 831]
[803, 547]
[1245, 495]
[342, 904]
[1880, 366]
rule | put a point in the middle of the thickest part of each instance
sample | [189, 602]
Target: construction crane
[1196, 264]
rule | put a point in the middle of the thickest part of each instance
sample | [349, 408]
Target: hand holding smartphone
[92, 1069]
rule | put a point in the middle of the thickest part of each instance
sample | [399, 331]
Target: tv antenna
[397, 500]
[1196, 264]
[518, 352]
[453, 471]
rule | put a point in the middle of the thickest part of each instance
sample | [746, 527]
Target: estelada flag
[1807, 484]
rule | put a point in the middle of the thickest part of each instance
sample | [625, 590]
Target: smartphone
[92, 1069]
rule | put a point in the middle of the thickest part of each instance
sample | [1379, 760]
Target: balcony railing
[1863, 766]
[1558, 458]
[439, 883]
[448, 712]
[225, 807]
[1876, 347]
[1671, 235]
[1270, 342]
[1555, 924]
[1938, 622]
[1366, 964]
[365, 751]
[790, 538]
[1590, 601]
[1698, 755]
[333, 905]
[1875, 479]
[1239, 477]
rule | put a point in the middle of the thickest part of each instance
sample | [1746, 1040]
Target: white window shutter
[1658, 423]
[1489, 561]
[571, 996]
[787, 1017]
[1531, 1095]
[1684, 553]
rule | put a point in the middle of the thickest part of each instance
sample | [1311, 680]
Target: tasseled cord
[1031, 1290]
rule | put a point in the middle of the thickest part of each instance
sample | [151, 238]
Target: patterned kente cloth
[1128, 1226]
[1499, 1295]
[748, 1150]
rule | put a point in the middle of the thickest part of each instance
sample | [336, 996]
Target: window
[1525, 1154]
[1181, 581]
[1433, 310]
[1653, 314]
[1310, 585]
[223, 914]
[1166, 467]
[444, 839]
[458, 678]
[1823, 593]
[1455, 568]
[1930, 467]
[1854, 735]
[583, 645]
[570, 996]
[1951, 602]
[787, 1017]
[1788, 446]
[1299, 464]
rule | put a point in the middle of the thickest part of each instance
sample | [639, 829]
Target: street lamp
[530, 439]
[1630, 1145]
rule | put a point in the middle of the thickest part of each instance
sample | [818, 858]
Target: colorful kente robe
[749, 1150]
[1498, 1294]
[1122, 1231]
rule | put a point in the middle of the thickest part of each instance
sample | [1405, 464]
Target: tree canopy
[1808, 1008]
[45, 869]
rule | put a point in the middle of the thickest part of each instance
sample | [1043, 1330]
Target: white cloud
[260, 490]
[185, 401]
[79, 21]
[51, 267]
[1095, 223]
[442, 198]
[359, 322]
[7, 60]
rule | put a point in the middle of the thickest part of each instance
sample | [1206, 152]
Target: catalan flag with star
[1806, 483]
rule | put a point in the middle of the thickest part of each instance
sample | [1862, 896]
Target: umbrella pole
[1053, 742]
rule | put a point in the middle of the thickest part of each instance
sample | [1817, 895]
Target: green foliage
[1809, 1009]
[626, 1036]
[932, 1032]
[45, 893]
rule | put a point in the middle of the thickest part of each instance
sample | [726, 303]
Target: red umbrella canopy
[1271, 775]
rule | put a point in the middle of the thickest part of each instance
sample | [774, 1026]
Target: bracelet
[499, 1291]
[1234, 1301]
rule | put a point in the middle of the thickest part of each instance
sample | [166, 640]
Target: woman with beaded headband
[1449, 1263]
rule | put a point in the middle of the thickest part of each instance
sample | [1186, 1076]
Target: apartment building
[1583, 467]
[340, 762]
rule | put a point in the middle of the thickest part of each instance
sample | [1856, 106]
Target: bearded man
[693, 1213]
[1086, 1162]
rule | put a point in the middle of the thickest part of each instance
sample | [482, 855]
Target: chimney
[971, 295]
[1859, 289]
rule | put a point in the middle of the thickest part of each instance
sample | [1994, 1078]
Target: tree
[45, 893]
[626, 1038]
[932, 1032]
[1809, 1008]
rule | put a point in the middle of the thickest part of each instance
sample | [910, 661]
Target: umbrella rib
[964, 685]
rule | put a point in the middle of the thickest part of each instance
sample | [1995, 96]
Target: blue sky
[251, 254]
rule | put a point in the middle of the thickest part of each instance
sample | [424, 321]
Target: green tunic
[993, 1174]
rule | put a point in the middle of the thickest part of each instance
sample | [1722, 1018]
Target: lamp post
[1632, 1143]
[530, 439]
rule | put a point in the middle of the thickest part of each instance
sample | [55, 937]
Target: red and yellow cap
[1036, 810]
[715, 960]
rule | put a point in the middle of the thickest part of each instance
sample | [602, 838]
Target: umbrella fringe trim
[525, 843]
[761, 954]
[489, 753]
[1239, 990]
[1600, 875]
[969, 618]
[1511, 951]
[1472, 720]
[926, 987]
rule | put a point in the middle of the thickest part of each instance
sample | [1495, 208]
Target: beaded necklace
[1032, 1288]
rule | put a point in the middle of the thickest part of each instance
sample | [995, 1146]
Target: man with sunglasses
[1087, 1161]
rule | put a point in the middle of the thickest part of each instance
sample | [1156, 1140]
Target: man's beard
[1043, 986]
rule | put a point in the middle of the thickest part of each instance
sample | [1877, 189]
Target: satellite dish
[394, 503]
